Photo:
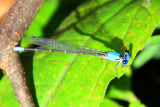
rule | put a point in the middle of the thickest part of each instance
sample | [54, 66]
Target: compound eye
[125, 62]
[127, 52]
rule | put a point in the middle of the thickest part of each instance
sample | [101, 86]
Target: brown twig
[12, 28]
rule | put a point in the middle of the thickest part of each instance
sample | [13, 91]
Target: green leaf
[8, 97]
[109, 103]
[122, 90]
[81, 80]
[137, 104]
[153, 41]
[158, 27]
[41, 20]
[151, 51]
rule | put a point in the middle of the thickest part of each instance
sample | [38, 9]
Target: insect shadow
[115, 44]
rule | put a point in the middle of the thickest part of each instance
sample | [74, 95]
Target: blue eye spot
[125, 62]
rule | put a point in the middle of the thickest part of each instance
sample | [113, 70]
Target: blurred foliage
[75, 80]
[151, 51]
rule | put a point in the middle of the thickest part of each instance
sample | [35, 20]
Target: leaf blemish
[149, 17]
[130, 36]
[136, 18]
[80, 88]
[116, 34]
[112, 68]
[141, 23]
[102, 59]
[92, 80]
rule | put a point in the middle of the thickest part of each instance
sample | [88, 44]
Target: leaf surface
[80, 80]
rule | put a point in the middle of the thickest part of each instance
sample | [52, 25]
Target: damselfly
[58, 46]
